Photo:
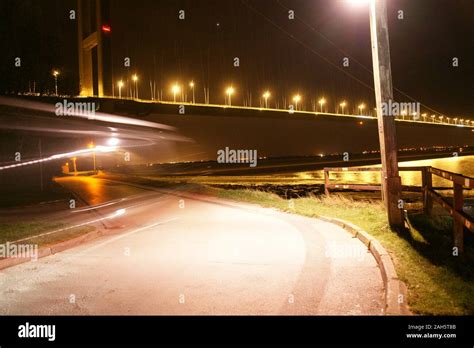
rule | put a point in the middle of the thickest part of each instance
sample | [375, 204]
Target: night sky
[286, 56]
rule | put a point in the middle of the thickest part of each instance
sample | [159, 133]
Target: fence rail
[455, 208]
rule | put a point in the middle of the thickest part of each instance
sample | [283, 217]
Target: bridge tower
[93, 31]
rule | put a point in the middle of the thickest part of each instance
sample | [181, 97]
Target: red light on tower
[106, 28]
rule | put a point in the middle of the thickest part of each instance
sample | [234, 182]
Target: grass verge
[14, 231]
[52, 192]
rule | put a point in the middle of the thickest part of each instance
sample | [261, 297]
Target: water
[461, 165]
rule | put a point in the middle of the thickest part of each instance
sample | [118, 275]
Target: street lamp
[120, 85]
[229, 91]
[321, 102]
[191, 84]
[441, 119]
[175, 89]
[266, 95]
[423, 115]
[74, 159]
[92, 146]
[135, 79]
[56, 74]
[342, 105]
[361, 107]
[382, 72]
[296, 99]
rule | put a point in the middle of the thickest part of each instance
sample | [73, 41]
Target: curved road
[186, 255]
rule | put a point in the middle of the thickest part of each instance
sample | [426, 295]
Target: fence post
[382, 180]
[458, 225]
[326, 182]
[427, 183]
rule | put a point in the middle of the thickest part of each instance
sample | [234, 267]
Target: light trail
[97, 116]
[61, 155]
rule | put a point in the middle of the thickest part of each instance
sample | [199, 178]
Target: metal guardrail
[455, 208]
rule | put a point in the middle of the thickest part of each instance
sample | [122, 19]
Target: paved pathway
[198, 258]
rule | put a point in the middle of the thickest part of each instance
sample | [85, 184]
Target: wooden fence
[430, 194]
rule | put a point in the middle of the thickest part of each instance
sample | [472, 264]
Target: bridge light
[321, 102]
[191, 84]
[361, 107]
[343, 105]
[266, 95]
[229, 91]
[297, 99]
[120, 85]
[175, 89]
[135, 79]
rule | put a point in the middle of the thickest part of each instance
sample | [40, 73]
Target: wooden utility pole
[391, 183]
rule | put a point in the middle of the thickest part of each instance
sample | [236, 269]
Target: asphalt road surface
[180, 255]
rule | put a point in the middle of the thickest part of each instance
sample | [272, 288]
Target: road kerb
[53, 248]
[395, 291]
[61, 246]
